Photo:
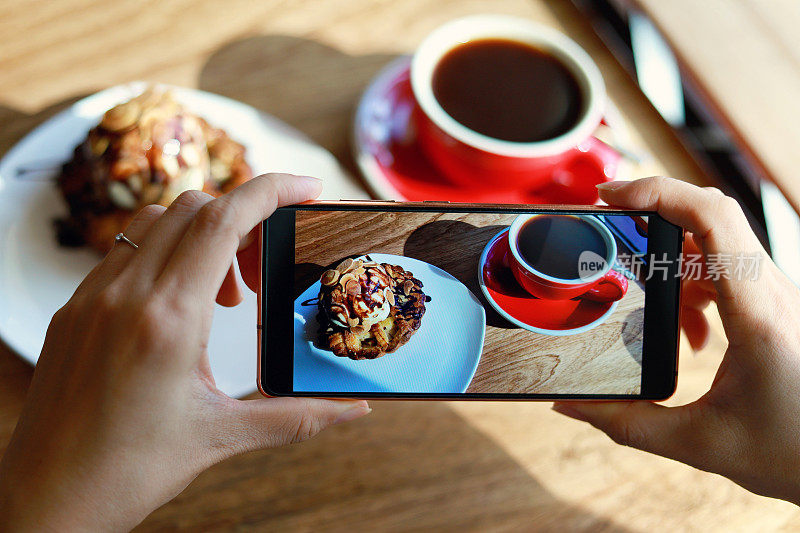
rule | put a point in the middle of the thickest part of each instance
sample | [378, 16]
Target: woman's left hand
[123, 411]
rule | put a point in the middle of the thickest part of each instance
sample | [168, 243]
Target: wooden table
[513, 360]
[409, 465]
[752, 81]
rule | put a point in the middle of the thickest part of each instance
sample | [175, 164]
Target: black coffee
[552, 244]
[508, 90]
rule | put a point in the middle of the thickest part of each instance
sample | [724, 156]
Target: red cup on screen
[471, 157]
[560, 257]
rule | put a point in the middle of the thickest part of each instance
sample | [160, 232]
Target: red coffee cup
[598, 280]
[471, 158]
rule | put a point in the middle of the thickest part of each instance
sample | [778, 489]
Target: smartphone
[431, 300]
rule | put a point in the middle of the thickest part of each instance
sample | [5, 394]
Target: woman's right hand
[747, 426]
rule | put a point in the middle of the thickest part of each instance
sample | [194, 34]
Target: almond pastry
[370, 310]
[146, 150]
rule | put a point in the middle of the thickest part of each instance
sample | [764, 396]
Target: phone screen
[537, 303]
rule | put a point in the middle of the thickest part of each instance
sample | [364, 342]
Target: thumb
[683, 433]
[720, 227]
[273, 422]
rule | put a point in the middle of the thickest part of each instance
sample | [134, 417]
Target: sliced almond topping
[345, 265]
[121, 117]
[352, 287]
[99, 145]
[329, 277]
[135, 183]
[121, 195]
[408, 285]
[339, 313]
[152, 96]
[345, 278]
[358, 263]
[358, 330]
[390, 296]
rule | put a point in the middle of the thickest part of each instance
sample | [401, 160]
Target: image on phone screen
[505, 303]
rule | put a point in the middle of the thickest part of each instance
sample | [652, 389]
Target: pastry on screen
[369, 309]
[144, 151]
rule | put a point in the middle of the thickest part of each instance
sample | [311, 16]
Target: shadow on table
[633, 334]
[275, 72]
[456, 248]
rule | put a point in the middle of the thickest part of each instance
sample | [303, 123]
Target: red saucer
[395, 168]
[549, 317]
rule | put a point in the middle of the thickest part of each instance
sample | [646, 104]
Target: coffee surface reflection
[508, 90]
[553, 244]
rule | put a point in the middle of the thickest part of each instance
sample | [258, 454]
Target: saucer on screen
[548, 317]
[395, 168]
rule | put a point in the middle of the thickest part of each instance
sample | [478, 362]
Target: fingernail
[311, 178]
[611, 185]
[357, 411]
[567, 410]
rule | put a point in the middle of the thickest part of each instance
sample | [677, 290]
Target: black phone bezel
[661, 315]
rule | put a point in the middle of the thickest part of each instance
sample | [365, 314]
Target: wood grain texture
[409, 466]
[514, 360]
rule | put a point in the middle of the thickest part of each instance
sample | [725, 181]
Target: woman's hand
[123, 411]
[747, 427]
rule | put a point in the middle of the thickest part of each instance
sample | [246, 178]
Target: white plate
[37, 276]
[441, 357]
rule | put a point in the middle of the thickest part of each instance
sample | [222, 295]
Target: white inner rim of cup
[461, 31]
[608, 238]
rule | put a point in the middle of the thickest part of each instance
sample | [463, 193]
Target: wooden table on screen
[513, 360]
[471, 466]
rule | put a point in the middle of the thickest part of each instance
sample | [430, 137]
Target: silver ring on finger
[120, 237]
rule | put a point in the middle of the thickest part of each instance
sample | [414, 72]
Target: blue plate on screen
[441, 357]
